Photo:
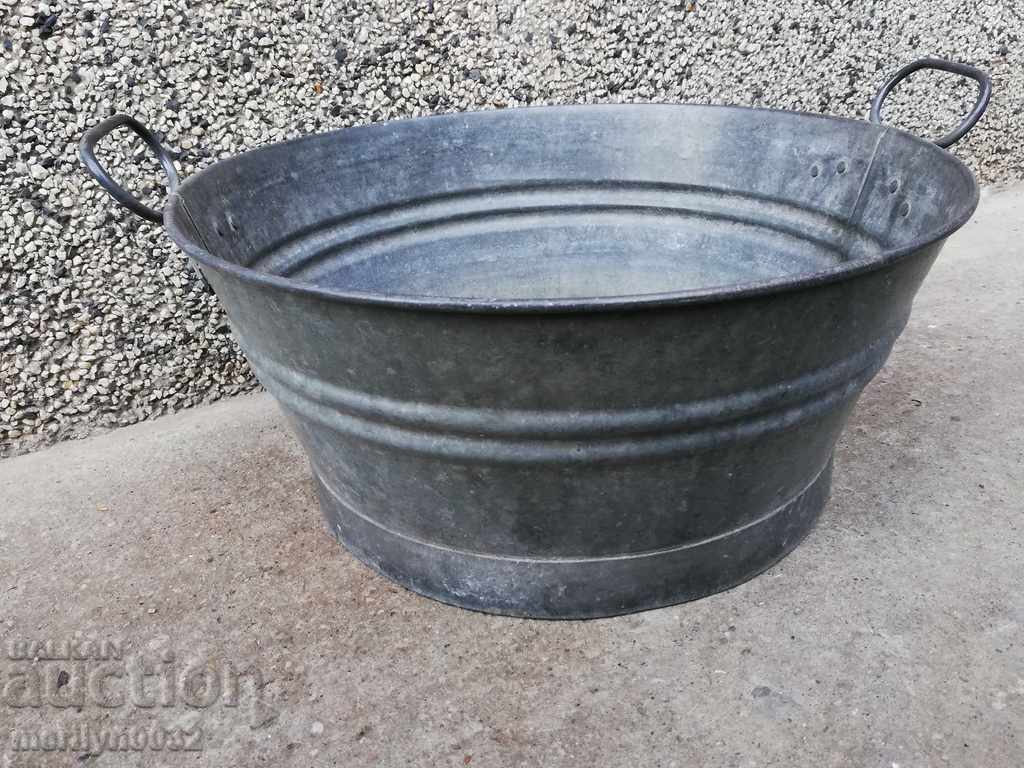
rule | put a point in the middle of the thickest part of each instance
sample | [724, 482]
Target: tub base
[578, 587]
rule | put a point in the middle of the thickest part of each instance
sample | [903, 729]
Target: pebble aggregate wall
[103, 324]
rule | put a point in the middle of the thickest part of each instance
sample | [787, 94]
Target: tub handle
[984, 94]
[87, 153]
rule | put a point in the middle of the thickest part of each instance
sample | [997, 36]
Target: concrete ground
[193, 545]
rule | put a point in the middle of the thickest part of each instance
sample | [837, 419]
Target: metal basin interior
[566, 204]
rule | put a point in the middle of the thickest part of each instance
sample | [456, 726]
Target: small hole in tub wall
[218, 230]
[894, 186]
[815, 170]
[904, 209]
[841, 167]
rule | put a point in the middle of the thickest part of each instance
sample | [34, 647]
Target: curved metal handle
[984, 94]
[87, 153]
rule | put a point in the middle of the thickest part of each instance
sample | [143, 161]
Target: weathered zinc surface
[560, 362]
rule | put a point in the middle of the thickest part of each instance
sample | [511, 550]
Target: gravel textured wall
[102, 322]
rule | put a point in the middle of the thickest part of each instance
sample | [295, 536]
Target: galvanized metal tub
[571, 361]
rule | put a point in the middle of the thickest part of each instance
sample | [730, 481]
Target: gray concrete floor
[892, 636]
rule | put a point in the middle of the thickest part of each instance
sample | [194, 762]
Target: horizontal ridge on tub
[471, 433]
[339, 500]
[299, 255]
